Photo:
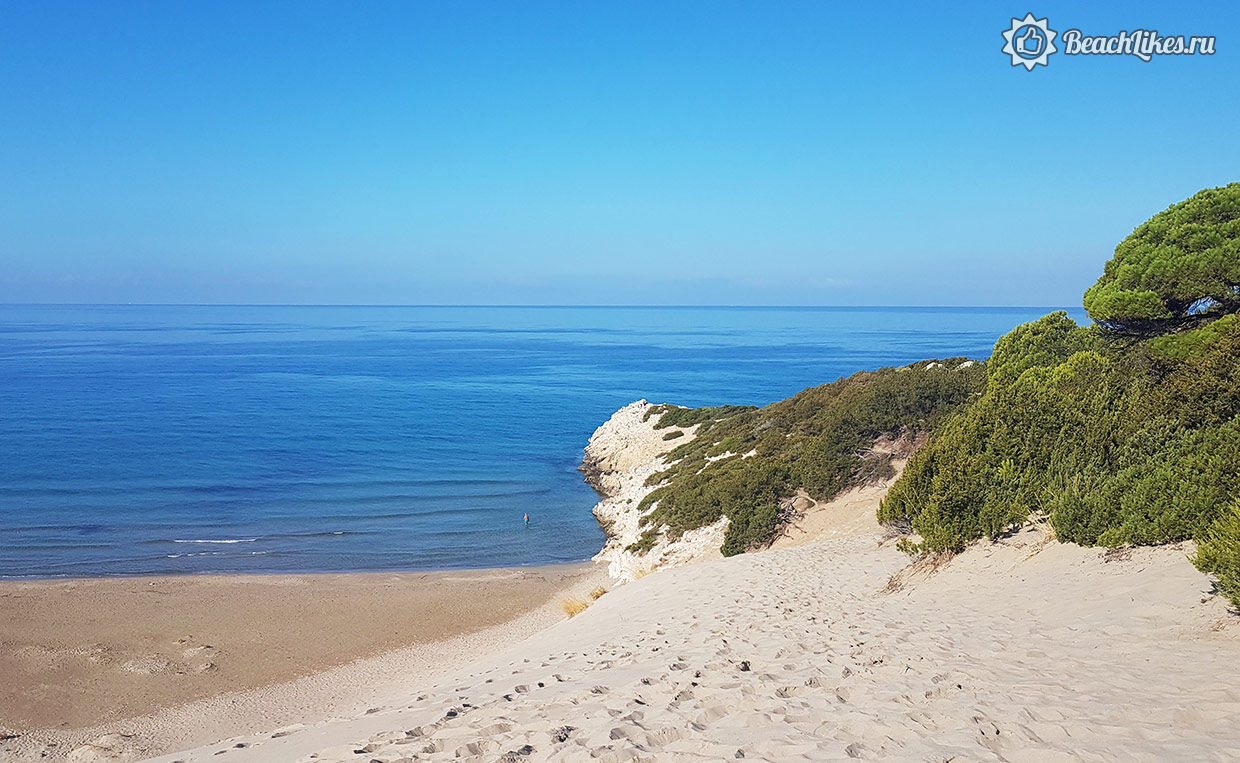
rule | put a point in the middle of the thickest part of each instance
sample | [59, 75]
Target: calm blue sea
[155, 439]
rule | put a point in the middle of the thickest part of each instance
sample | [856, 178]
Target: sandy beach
[835, 648]
[172, 662]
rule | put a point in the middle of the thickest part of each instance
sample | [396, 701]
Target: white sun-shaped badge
[1029, 42]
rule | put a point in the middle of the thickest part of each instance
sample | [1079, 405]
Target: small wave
[311, 534]
[323, 534]
[219, 553]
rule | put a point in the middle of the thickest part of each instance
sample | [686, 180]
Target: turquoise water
[153, 439]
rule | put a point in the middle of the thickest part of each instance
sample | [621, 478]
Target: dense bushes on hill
[744, 460]
[1125, 432]
[1118, 443]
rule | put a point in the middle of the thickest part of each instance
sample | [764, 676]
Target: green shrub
[675, 416]
[744, 459]
[674, 434]
[1043, 343]
[1189, 344]
[1218, 553]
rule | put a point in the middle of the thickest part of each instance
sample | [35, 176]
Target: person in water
[527, 519]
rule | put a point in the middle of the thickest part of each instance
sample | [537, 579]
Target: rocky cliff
[621, 455]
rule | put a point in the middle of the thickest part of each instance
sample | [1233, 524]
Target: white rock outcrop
[621, 455]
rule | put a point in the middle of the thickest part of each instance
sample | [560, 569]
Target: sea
[155, 440]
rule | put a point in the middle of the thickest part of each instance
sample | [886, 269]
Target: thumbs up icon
[1029, 43]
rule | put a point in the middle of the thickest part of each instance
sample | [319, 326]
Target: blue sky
[589, 153]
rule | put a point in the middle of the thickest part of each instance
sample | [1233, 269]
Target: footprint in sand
[146, 665]
[108, 747]
[519, 754]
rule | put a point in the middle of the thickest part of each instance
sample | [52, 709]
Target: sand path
[1014, 651]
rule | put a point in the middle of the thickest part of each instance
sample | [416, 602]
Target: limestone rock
[620, 457]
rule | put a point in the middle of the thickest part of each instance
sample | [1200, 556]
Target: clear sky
[417, 152]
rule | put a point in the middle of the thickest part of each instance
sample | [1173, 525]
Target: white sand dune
[834, 649]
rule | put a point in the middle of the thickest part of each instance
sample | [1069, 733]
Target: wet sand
[94, 653]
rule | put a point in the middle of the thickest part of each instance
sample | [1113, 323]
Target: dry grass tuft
[900, 528]
[921, 569]
[597, 592]
[1043, 525]
[573, 607]
[894, 583]
[643, 572]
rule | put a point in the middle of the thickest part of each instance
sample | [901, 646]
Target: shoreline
[158, 663]
[4, 580]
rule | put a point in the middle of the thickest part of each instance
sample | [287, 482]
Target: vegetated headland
[1125, 432]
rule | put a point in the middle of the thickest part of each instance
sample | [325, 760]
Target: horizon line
[530, 305]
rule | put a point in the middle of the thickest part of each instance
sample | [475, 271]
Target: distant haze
[570, 153]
